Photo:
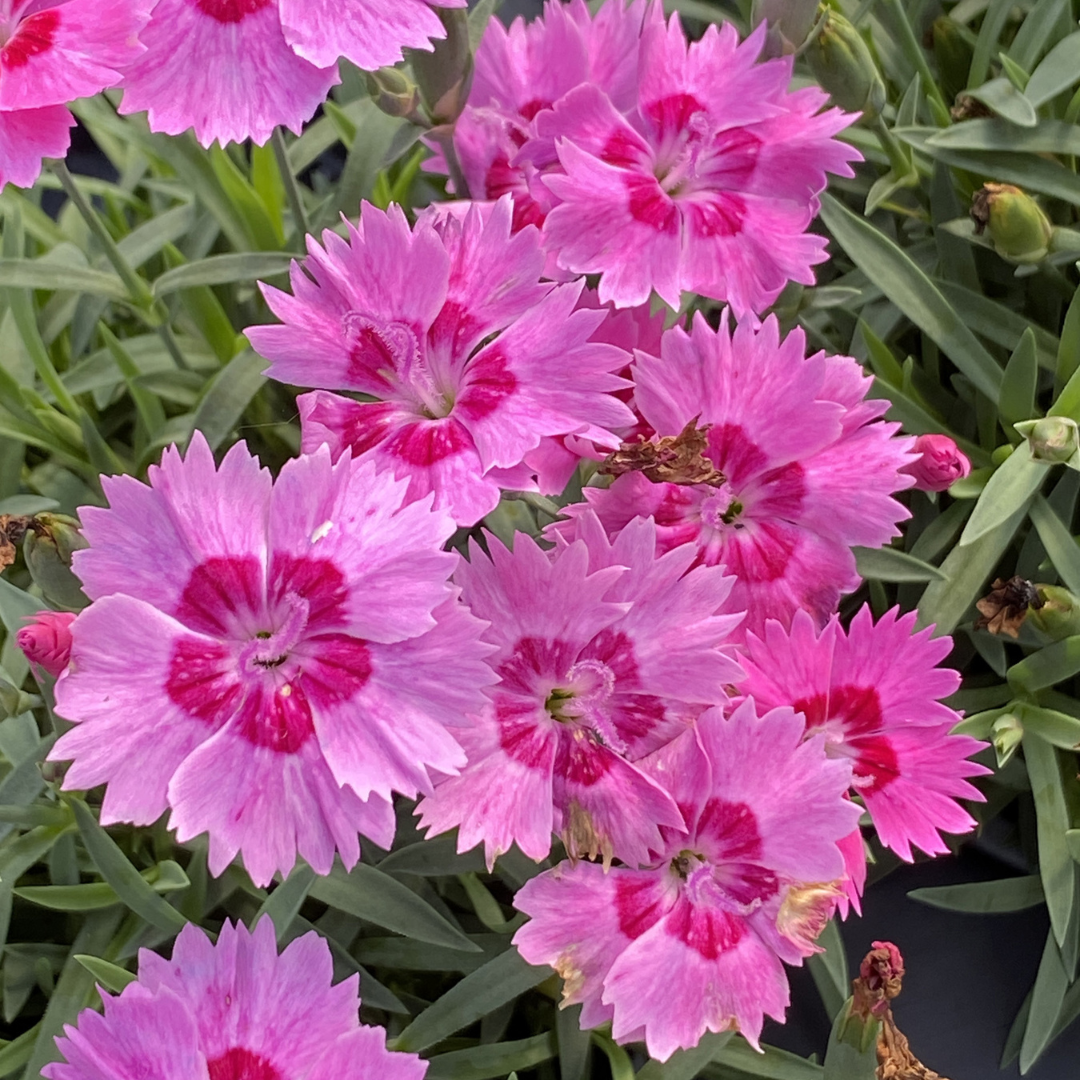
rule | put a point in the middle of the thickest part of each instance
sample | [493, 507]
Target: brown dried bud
[12, 531]
[967, 108]
[1004, 609]
[674, 459]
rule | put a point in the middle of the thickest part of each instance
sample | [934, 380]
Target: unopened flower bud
[842, 64]
[46, 641]
[1054, 440]
[940, 464]
[445, 75]
[1014, 221]
[954, 50]
[50, 543]
[1006, 735]
[393, 91]
[789, 21]
[1058, 615]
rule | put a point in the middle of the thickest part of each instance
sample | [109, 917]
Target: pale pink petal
[224, 69]
[362, 1055]
[28, 136]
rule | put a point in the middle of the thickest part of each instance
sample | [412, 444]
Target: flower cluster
[232, 69]
[659, 681]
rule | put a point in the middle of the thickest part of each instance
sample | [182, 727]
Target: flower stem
[292, 188]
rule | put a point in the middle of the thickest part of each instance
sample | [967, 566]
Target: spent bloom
[51, 53]
[606, 651]
[694, 941]
[526, 68]
[875, 693]
[46, 641]
[806, 467]
[467, 359]
[234, 1010]
[706, 185]
[268, 661]
[939, 465]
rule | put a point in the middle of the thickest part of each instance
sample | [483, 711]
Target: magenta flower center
[240, 1064]
[273, 658]
[391, 353]
[230, 11]
[686, 134]
[29, 37]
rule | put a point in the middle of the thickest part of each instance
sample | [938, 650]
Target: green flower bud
[842, 64]
[1014, 221]
[445, 76]
[50, 543]
[1054, 440]
[393, 91]
[1006, 735]
[1059, 615]
[954, 50]
[789, 21]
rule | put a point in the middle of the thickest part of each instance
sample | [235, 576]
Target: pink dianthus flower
[694, 941]
[52, 52]
[234, 1010]
[225, 68]
[875, 693]
[706, 185]
[606, 652]
[526, 68]
[268, 661]
[471, 360]
[808, 468]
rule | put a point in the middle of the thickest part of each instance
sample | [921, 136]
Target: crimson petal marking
[240, 1064]
[640, 903]
[33, 36]
[318, 581]
[708, 931]
[202, 680]
[422, 443]
[231, 11]
[220, 591]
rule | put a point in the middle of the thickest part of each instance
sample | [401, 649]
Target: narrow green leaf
[376, 897]
[1052, 820]
[904, 283]
[166, 877]
[739, 1060]
[284, 903]
[1013, 486]
[111, 976]
[228, 395]
[433, 858]
[1072, 842]
[1046, 667]
[1009, 103]
[1057, 728]
[984, 897]
[1068, 363]
[245, 201]
[1059, 71]
[830, 969]
[892, 564]
[575, 1044]
[1047, 996]
[35, 274]
[18, 1052]
[400, 953]
[986, 44]
[497, 982]
[686, 1064]
[494, 1059]
[1062, 549]
[1018, 385]
[114, 867]
[944, 603]
[223, 270]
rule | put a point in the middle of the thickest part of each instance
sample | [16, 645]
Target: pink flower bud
[47, 640]
[942, 463]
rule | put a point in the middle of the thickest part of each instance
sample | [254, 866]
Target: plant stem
[292, 188]
[913, 51]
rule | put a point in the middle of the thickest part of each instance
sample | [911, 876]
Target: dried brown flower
[674, 459]
[967, 108]
[1004, 608]
[12, 531]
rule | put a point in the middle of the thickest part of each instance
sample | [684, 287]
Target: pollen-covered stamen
[394, 352]
[270, 648]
